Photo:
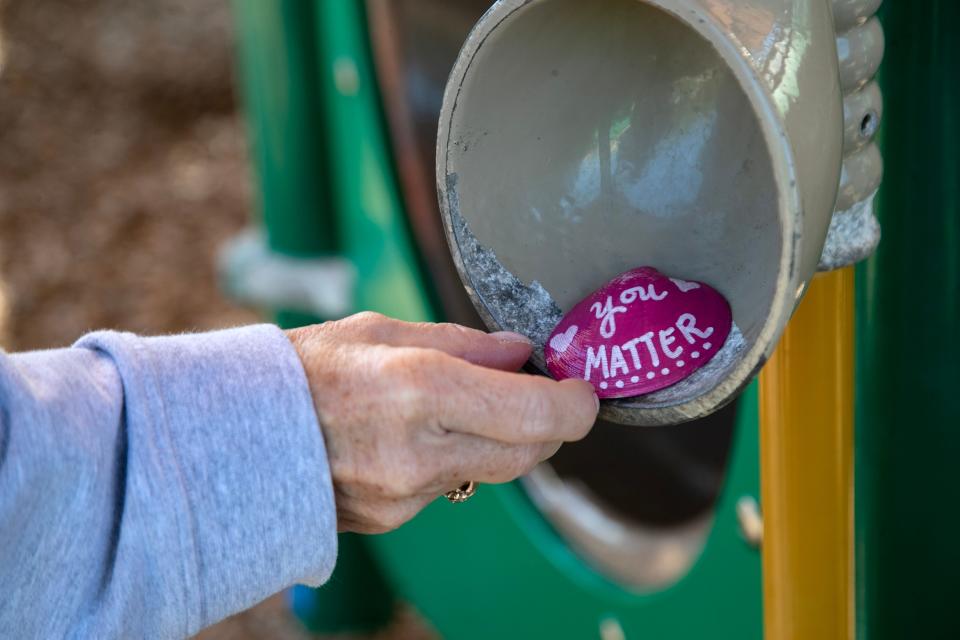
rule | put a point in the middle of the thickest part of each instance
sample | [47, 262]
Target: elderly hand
[411, 411]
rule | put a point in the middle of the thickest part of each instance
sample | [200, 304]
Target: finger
[511, 407]
[503, 350]
[465, 457]
[375, 516]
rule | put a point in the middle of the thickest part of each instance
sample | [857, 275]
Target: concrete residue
[525, 309]
[853, 236]
[531, 311]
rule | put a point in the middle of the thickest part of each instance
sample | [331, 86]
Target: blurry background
[123, 169]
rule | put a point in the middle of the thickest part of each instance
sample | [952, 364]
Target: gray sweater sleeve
[150, 487]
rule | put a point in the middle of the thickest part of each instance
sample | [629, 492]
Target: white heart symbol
[561, 341]
[684, 286]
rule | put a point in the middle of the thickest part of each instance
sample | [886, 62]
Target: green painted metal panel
[376, 237]
[908, 367]
[494, 568]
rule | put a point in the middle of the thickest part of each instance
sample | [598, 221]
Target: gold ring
[462, 493]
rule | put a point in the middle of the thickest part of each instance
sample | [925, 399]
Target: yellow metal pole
[806, 451]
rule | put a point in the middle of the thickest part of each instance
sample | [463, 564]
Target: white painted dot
[695, 355]
[603, 385]
[635, 379]
[680, 363]
[707, 346]
[665, 371]
[619, 384]
[651, 375]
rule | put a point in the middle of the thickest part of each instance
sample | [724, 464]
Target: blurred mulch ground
[123, 168]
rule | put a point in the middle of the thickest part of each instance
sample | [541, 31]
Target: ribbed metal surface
[854, 232]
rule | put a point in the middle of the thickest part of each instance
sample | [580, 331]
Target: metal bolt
[751, 521]
[869, 124]
[610, 629]
[346, 77]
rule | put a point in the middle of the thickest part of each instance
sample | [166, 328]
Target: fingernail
[509, 337]
[596, 401]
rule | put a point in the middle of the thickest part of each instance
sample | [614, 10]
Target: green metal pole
[908, 438]
[285, 114]
[277, 56]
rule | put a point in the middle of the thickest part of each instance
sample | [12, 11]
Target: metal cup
[578, 140]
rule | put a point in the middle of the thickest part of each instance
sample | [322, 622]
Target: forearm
[150, 487]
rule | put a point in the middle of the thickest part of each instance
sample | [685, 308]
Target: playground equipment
[641, 532]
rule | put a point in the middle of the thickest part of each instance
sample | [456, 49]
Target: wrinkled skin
[411, 411]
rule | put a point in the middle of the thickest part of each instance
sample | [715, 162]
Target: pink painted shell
[639, 333]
